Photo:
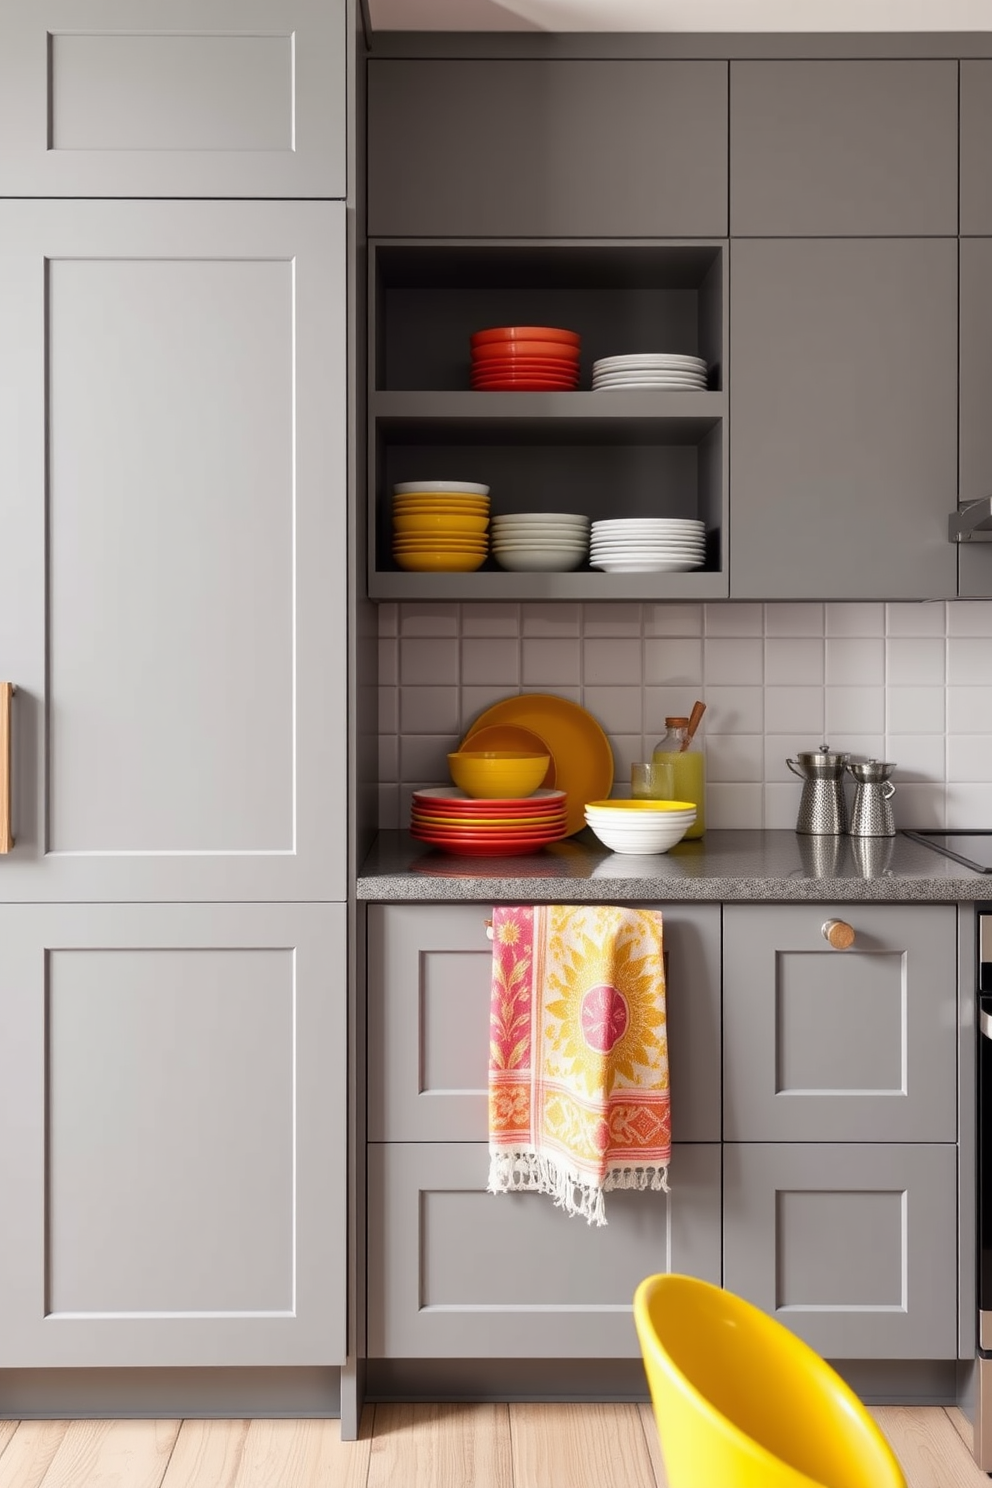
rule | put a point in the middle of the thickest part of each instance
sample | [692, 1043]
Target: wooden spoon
[698, 709]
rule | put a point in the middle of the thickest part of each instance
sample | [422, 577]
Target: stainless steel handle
[838, 934]
[7, 691]
[985, 1024]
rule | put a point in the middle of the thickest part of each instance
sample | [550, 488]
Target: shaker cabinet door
[456, 1272]
[172, 1135]
[840, 1046]
[843, 439]
[853, 1247]
[430, 974]
[172, 497]
[173, 98]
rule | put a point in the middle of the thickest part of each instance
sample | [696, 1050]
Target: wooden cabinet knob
[838, 933]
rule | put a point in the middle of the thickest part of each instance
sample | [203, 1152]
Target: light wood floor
[415, 1446]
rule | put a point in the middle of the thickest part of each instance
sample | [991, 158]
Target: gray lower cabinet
[840, 1046]
[172, 1135]
[450, 156]
[457, 1272]
[430, 973]
[848, 147]
[853, 1247]
[843, 441]
[177, 98]
[173, 477]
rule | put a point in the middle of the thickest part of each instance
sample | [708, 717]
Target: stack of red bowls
[444, 817]
[525, 359]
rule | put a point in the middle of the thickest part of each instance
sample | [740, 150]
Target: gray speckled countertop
[724, 865]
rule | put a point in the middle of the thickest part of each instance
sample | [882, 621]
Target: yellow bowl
[440, 562]
[643, 808]
[491, 773]
[439, 522]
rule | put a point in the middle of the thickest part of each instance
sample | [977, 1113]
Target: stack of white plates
[648, 545]
[649, 369]
[540, 542]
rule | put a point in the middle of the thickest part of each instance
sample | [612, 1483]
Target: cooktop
[973, 849]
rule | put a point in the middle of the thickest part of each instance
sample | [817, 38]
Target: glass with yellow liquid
[688, 769]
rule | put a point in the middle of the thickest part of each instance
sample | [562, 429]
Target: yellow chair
[741, 1402]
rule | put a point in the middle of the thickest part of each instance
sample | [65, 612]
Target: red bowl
[524, 333]
[500, 350]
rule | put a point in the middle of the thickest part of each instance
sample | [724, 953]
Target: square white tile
[790, 710]
[733, 662]
[791, 620]
[793, 662]
[915, 662]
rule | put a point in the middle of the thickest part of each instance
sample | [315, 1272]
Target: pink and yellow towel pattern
[579, 1099]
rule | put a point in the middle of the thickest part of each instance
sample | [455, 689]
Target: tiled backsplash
[910, 683]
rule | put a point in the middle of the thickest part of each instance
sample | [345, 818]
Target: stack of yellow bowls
[440, 526]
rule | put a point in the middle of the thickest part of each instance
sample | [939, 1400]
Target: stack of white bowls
[540, 542]
[648, 545]
[649, 369]
[640, 826]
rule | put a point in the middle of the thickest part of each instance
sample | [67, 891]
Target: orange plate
[557, 351]
[524, 333]
[451, 798]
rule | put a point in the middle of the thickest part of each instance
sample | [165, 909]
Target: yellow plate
[440, 562]
[579, 749]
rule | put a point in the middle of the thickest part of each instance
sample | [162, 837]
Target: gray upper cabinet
[172, 1105]
[178, 98]
[173, 500]
[976, 146]
[843, 425]
[840, 1046]
[975, 468]
[860, 148]
[546, 148]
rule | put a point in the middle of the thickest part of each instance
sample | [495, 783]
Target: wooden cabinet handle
[7, 690]
[838, 933]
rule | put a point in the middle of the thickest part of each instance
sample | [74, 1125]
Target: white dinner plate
[648, 527]
[649, 379]
[650, 359]
[572, 519]
[644, 565]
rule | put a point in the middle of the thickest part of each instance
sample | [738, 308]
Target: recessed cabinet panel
[172, 1085]
[843, 451]
[173, 466]
[975, 470]
[825, 1045]
[860, 148]
[547, 148]
[430, 974]
[190, 98]
[976, 144]
[445, 1279]
[852, 1247]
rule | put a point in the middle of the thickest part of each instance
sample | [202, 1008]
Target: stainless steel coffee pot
[871, 814]
[822, 807]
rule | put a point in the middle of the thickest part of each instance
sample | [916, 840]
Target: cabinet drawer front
[852, 1247]
[209, 98]
[429, 984]
[825, 1045]
[828, 147]
[448, 158]
[457, 1272]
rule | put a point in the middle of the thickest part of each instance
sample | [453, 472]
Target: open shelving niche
[606, 454]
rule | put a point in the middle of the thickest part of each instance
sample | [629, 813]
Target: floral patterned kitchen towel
[579, 1099]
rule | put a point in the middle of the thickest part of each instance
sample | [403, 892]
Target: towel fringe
[534, 1172]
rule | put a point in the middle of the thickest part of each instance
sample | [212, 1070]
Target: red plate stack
[446, 817]
[525, 359]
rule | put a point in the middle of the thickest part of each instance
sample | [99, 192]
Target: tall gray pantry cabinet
[173, 477]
